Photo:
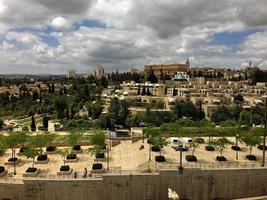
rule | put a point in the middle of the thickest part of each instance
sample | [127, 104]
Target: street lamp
[143, 135]
[14, 162]
[149, 147]
[236, 144]
[181, 161]
[108, 160]
[264, 134]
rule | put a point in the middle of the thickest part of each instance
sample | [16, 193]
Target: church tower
[187, 65]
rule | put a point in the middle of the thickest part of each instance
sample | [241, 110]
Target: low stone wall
[193, 184]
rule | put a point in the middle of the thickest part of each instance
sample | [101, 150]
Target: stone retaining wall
[193, 184]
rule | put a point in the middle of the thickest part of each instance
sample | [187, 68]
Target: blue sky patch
[90, 24]
[50, 40]
[232, 38]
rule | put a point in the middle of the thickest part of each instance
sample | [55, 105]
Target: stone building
[167, 69]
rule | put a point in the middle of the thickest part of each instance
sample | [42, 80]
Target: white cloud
[61, 23]
[25, 38]
[136, 33]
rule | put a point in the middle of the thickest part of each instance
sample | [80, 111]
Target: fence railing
[148, 167]
[208, 165]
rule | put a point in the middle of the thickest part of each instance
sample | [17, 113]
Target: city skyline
[39, 37]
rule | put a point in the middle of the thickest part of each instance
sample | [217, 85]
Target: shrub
[23, 149]
[155, 149]
[210, 148]
[100, 155]
[41, 157]
[76, 147]
[251, 157]
[160, 159]
[51, 148]
[221, 158]
[97, 166]
[12, 159]
[71, 156]
[260, 147]
[191, 158]
[236, 148]
[65, 168]
[199, 140]
[2, 169]
[31, 170]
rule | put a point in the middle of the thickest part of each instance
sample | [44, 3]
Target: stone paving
[127, 156]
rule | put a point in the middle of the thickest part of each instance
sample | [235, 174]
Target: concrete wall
[194, 184]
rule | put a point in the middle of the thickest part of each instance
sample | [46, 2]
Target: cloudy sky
[52, 36]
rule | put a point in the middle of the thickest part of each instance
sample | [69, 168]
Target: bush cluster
[251, 157]
[51, 148]
[76, 147]
[65, 168]
[41, 157]
[260, 147]
[221, 158]
[191, 158]
[23, 149]
[97, 166]
[2, 169]
[236, 148]
[209, 148]
[31, 170]
[100, 155]
[71, 156]
[160, 159]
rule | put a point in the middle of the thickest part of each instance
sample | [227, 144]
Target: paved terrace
[127, 158]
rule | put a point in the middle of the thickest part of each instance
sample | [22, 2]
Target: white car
[180, 141]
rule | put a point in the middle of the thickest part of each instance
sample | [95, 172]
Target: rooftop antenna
[249, 63]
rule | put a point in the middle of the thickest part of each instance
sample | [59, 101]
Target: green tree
[61, 106]
[152, 78]
[94, 109]
[238, 99]
[11, 141]
[22, 138]
[2, 146]
[1, 123]
[244, 117]
[63, 154]
[96, 149]
[45, 123]
[98, 138]
[194, 145]
[32, 153]
[250, 141]
[49, 138]
[222, 114]
[221, 144]
[98, 141]
[74, 138]
[39, 141]
[159, 142]
[119, 110]
[33, 125]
